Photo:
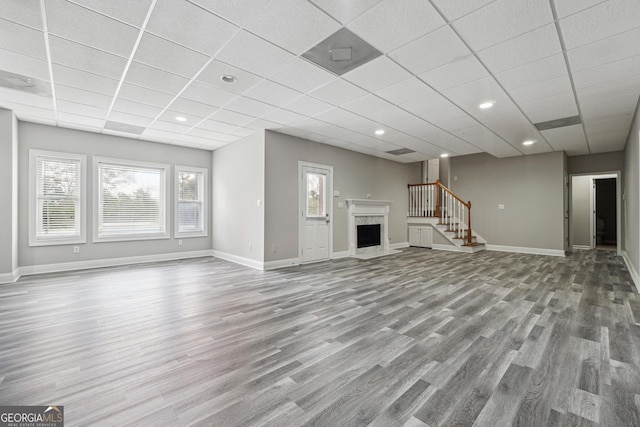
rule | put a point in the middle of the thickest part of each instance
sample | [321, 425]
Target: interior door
[315, 212]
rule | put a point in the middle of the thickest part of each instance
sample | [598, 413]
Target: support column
[8, 196]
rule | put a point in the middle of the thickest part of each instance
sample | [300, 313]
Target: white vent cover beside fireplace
[368, 212]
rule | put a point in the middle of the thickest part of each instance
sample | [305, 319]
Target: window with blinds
[57, 201]
[131, 200]
[191, 193]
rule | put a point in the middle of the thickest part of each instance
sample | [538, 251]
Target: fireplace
[368, 235]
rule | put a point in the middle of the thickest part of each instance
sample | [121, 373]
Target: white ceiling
[145, 62]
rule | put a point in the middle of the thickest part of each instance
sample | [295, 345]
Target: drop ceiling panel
[391, 116]
[406, 91]
[81, 109]
[130, 107]
[283, 117]
[302, 76]
[478, 90]
[144, 95]
[367, 105]
[265, 58]
[20, 39]
[345, 12]
[337, 116]
[454, 9]
[604, 51]
[599, 22]
[552, 108]
[83, 80]
[565, 8]
[421, 107]
[80, 96]
[231, 117]
[13, 62]
[193, 108]
[154, 78]
[169, 56]
[451, 143]
[517, 130]
[242, 132]
[455, 74]
[131, 12]
[377, 74]
[24, 12]
[189, 25]
[294, 25]
[308, 106]
[529, 47]
[212, 75]
[338, 92]
[259, 124]
[534, 72]
[488, 141]
[391, 24]
[610, 90]
[501, 21]
[503, 109]
[65, 19]
[169, 127]
[75, 55]
[249, 107]
[431, 51]
[216, 126]
[625, 68]
[450, 118]
[81, 120]
[238, 12]
[272, 93]
[570, 139]
[130, 119]
[170, 117]
[545, 89]
[206, 94]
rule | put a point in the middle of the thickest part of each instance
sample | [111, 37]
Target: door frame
[301, 205]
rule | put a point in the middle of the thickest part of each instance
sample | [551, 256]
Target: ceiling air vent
[124, 127]
[341, 52]
[400, 151]
[558, 123]
[25, 84]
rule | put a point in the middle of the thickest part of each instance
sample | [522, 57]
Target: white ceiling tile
[197, 134]
[18, 63]
[478, 90]
[272, 93]
[20, 39]
[206, 94]
[450, 118]
[78, 126]
[300, 133]
[249, 107]
[545, 89]
[130, 107]
[604, 51]
[264, 60]
[488, 141]
[131, 12]
[406, 91]
[345, 12]
[392, 24]
[130, 119]
[80, 109]
[80, 96]
[170, 116]
[338, 92]
[367, 105]
[552, 108]
[308, 106]
[169, 56]
[311, 125]
[606, 142]
[354, 137]
[534, 72]
[45, 112]
[431, 51]
[454, 74]
[81, 120]
[158, 135]
[283, 117]
[599, 22]
[190, 26]
[144, 95]
[238, 12]
[454, 9]
[20, 97]
[75, 55]
[25, 12]
[377, 74]
[215, 126]
[391, 116]
[302, 76]
[231, 117]
[503, 108]
[569, 139]
[629, 86]
[81, 25]
[169, 126]
[610, 106]
[521, 50]
[622, 69]
[516, 130]
[294, 25]
[337, 116]
[501, 21]
[569, 7]
[83, 80]
[421, 107]
[259, 124]
[193, 108]
[212, 75]
[378, 145]
[154, 78]
[422, 147]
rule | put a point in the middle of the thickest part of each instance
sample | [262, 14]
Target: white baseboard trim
[400, 245]
[281, 263]
[247, 262]
[109, 262]
[441, 247]
[10, 277]
[341, 254]
[523, 250]
[582, 247]
[632, 271]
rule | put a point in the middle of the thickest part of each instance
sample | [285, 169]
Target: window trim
[205, 202]
[34, 239]
[97, 160]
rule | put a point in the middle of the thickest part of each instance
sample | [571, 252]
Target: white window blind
[191, 201]
[57, 202]
[131, 201]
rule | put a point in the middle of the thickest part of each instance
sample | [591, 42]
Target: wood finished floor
[419, 338]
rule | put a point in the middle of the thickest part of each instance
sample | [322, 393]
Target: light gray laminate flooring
[418, 338]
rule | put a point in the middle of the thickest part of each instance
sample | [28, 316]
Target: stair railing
[435, 200]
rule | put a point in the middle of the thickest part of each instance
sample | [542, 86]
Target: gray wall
[580, 208]
[632, 195]
[596, 163]
[93, 144]
[531, 189]
[354, 175]
[238, 183]
[8, 194]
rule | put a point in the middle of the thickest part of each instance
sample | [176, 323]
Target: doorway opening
[315, 207]
[605, 214]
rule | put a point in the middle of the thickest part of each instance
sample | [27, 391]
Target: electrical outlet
[76, 249]
[180, 242]
[274, 248]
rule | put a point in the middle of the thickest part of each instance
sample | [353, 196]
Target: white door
[433, 170]
[315, 212]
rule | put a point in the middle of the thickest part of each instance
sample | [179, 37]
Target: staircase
[435, 205]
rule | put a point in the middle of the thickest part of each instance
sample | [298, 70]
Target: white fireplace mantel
[368, 208]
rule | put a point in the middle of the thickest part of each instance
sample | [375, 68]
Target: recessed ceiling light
[181, 119]
[529, 142]
[443, 155]
[380, 132]
[228, 78]
[486, 105]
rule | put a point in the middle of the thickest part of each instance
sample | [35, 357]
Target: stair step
[473, 244]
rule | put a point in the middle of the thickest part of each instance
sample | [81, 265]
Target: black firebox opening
[368, 235]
